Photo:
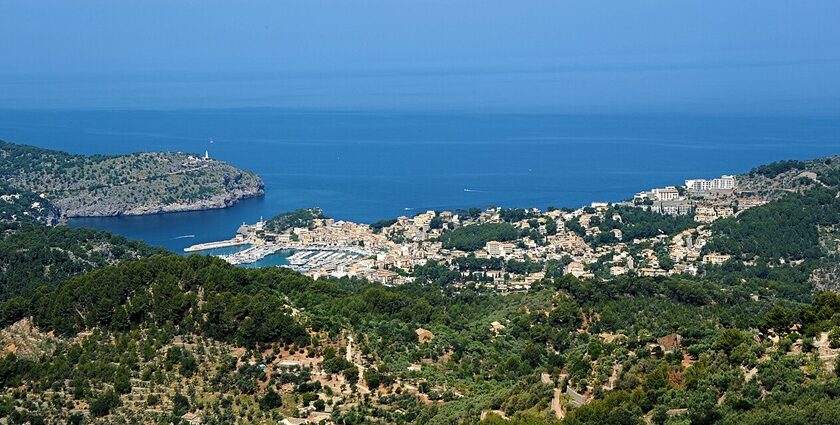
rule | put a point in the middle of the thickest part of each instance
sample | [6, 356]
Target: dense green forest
[156, 298]
[475, 236]
[237, 306]
[34, 258]
[637, 223]
[788, 228]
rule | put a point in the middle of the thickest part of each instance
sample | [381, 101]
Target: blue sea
[369, 165]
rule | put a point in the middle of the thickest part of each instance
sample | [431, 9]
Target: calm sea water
[365, 166]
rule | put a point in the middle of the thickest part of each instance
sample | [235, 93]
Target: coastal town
[420, 213]
[523, 245]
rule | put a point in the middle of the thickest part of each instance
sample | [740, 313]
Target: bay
[366, 165]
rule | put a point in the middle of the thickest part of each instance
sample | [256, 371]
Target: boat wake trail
[184, 237]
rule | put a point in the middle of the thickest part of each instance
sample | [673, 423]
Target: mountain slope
[35, 258]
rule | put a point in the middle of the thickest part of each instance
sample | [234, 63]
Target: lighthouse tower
[206, 155]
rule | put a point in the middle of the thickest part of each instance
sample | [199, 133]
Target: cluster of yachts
[304, 258]
[325, 260]
[251, 254]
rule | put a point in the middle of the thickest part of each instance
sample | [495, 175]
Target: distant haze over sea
[367, 165]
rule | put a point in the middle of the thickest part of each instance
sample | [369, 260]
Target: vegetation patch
[476, 236]
[303, 217]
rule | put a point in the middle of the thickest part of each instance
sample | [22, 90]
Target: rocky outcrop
[105, 206]
[826, 278]
[776, 180]
[24, 339]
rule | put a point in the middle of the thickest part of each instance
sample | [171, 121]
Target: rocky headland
[132, 184]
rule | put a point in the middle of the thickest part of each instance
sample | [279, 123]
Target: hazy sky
[740, 56]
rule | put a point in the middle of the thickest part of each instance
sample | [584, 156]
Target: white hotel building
[702, 185]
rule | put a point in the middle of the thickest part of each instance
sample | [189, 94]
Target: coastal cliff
[132, 184]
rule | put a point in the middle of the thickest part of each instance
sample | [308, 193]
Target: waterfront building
[599, 206]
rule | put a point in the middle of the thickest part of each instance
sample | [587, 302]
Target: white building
[701, 185]
[673, 208]
[600, 206]
[668, 193]
[498, 249]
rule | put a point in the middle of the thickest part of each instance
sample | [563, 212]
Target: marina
[251, 255]
[329, 260]
[304, 257]
[322, 247]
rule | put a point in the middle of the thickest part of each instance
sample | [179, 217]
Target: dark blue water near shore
[365, 166]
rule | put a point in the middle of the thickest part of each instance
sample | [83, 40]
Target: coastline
[145, 210]
[662, 231]
[362, 174]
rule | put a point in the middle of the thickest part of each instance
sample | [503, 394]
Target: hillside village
[517, 247]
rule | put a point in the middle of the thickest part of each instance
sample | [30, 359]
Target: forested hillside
[175, 318]
[34, 258]
[789, 228]
[475, 236]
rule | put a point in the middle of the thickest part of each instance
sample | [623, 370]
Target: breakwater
[215, 245]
